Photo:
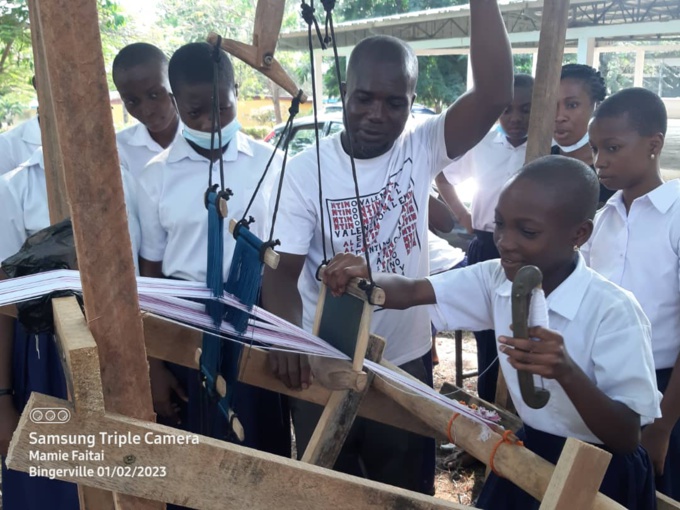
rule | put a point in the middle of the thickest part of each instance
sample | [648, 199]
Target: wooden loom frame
[104, 352]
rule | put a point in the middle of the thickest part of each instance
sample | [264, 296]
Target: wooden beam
[577, 477]
[550, 50]
[508, 420]
[210, 475]
[663, 502]
[72, 68]
[338, 416]
[268, 21]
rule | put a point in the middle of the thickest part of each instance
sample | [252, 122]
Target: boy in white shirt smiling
[636, 244]
[596, 394]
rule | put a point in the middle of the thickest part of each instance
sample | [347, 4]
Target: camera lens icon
[50, 415]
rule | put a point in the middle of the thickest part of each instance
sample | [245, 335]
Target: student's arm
[473, 114]
[614, 423]
[440, 216]
[400, 292]
[281, 297]
[448, 193]
[656, 437]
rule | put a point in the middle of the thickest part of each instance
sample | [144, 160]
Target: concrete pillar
[585, 53]
[534, 61]
[639, 68]
[318, 78]
[470, 80]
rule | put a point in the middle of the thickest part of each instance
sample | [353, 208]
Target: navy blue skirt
[629, 480]
[669, 483]
[36, 367]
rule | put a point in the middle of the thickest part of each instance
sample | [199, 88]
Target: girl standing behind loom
[596, 394]
[636, 244]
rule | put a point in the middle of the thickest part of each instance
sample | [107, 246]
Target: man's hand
[9, 418]
[341, 269]
[544, 354]
[163, 385]
[655, 439]
[291, 368]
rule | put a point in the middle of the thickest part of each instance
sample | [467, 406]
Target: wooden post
[79, 127]
[548, 69]
[577, 477]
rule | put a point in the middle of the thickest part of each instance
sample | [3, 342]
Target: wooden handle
[270, 258]
[220, 382]
[526, 280]
[354, 288]
[335, 374]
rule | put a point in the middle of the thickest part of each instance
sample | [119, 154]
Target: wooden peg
[336, 374]
[271, 258]
[220, 382]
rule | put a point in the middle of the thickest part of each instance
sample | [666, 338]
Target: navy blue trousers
[36, 366]
[629, 480]
[483, 248]
[669, 483]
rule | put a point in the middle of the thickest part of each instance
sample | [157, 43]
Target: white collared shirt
[24, 210]
[18, 144]
[443, 256]
[136, 147]
[604, 329]
[640, 251]
[172, 210]
[492, 162]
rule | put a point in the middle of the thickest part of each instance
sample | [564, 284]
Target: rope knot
[295, 104]
[328, 5]
[307, 13]
[508, 437]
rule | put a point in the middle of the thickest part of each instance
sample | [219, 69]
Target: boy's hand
[163, 385]
[291, 368]
[546, 356]
[9, 418]
[655, 439]
[341, 269]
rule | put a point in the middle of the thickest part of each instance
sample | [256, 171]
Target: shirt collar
[500, 138]
[180, 149]
[36, 158]
[662, 198]
[566, 299]
[32, 132]
[140, 137]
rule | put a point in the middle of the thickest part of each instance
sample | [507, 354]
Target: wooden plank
[211, 475]
[268, 20]
[663, 502]
[171, 341]
[72, 68]
[554, 22]
[508, 420]
[519, 465]
[577, 477]
[8, 310]
[79, 355]
[54, 164]
[338, 416]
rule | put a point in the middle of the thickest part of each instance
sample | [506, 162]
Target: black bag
[46, 250]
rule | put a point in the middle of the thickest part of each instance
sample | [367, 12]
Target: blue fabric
[669, 483]
[629, 480]
[36, 366]
[483, 248]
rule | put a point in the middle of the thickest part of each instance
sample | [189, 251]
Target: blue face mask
[202, 139]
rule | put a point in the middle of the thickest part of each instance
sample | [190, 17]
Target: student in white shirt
[636, 244]
[596, 394]
[396, 161]
[174, 223]
[30, 360]
[492, 162]
[18, 144]
[140, 73]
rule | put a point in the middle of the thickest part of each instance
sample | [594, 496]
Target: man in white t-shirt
[17, 145]
[491, 163]
[396, 160]
[140, 73]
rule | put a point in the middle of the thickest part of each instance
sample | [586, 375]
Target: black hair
[645, 110]
[524, 81]
[138, 54]
[193, 64]
[591, 78]
[385, 48]
[571, 183]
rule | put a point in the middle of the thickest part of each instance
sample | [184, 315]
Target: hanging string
[328, 7]
[310, 19]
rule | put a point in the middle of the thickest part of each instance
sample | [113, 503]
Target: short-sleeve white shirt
[136, 147]
[640, 251]
[605, 333]
[394, 190]
[491, 163]
[443, 256]
[18, 145]
[23, 195]
[172, 210]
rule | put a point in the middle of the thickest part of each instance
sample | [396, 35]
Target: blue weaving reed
[245, 275]
[214, 277]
